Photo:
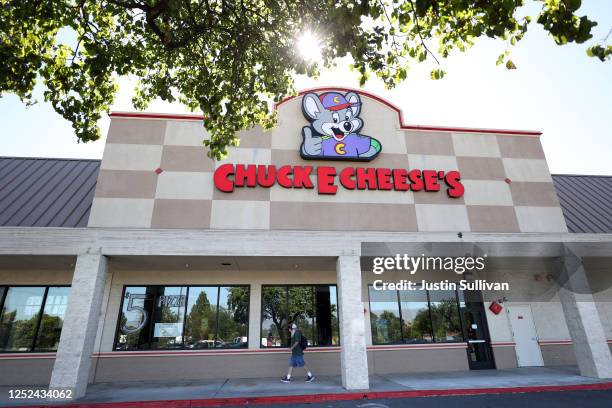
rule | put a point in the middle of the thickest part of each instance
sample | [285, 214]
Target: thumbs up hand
[311, 146]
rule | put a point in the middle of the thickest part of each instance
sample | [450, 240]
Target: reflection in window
[22, 326]
[52, 321]
[445, 315]
[415, 316]
[178, 317]
[274, 316]
[233, 316]
[20, 317]
[314, 308]
[301, 310]
[326, 316]
[426, 316]
[201, 319]
[384, 317]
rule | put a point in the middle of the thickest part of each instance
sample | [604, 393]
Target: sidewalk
[184, 393]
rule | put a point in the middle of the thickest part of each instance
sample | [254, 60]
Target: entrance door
[528, 352]
[476, 332]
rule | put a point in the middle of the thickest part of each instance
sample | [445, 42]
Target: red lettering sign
[325, 180]
[227, 177]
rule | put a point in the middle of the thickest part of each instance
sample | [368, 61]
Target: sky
[557, 90]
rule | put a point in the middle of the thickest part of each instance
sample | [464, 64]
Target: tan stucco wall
[416, 361]
[42, 277]
[256, 365]
[505, 357]
[31, 371]
[558, 354]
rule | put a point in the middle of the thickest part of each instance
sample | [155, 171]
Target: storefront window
[134, 327]
[274, 329]
[169, 317]
[326, 316]
[416, 321]
[233, 316]
[314, 308]
[445, 315]
[201, 326]
[425, 316]
[52, 319]
[385, 317]
[301, 310]
[22, 326]
[183, 317]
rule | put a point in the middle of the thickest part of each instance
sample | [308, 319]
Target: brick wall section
[131, 194]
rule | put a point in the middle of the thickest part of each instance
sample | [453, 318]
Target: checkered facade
[155, 174]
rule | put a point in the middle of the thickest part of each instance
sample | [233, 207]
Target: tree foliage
[287, 306]
[232, 59]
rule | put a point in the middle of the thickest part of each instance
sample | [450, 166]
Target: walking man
[297, 355]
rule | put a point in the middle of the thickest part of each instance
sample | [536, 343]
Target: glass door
[473, 317]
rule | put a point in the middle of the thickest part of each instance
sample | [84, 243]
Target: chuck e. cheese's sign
[333, 134]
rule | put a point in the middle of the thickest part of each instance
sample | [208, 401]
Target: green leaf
[600, 52]
[510, 65]
[437, 74]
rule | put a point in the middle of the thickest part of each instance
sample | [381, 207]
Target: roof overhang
[182, 242]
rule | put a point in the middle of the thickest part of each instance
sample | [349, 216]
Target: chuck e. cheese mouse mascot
[334, 126]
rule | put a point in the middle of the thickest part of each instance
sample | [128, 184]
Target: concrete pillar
[255, 316]
[587, 333]
[353, 357]
[73, 358]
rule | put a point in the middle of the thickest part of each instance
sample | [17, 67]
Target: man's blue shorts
[296, 361]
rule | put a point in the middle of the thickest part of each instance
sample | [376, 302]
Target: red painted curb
[312, 398]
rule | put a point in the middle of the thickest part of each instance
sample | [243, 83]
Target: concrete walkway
[204, 389]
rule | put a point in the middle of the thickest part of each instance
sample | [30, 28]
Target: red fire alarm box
[495, 307]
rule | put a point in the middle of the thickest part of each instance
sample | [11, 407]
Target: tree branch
[416, 20]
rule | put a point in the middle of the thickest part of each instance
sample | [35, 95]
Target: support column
[255, 316]
[353, 355]
[587, 333]
[73, 358]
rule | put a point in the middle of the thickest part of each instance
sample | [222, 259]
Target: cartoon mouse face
[334, 128]
[333, 114]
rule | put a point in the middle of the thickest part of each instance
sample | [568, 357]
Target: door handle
[477, 341]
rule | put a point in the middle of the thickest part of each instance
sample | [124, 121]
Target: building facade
[158, 263]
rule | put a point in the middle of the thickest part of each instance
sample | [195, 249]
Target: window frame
[433, 334]
[40, 314]
[287, 287]
[152, 317]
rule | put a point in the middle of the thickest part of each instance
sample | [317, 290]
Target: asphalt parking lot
[562, 399]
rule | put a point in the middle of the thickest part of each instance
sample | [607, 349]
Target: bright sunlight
[309, 46]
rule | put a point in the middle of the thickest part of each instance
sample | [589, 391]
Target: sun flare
[309, 46]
